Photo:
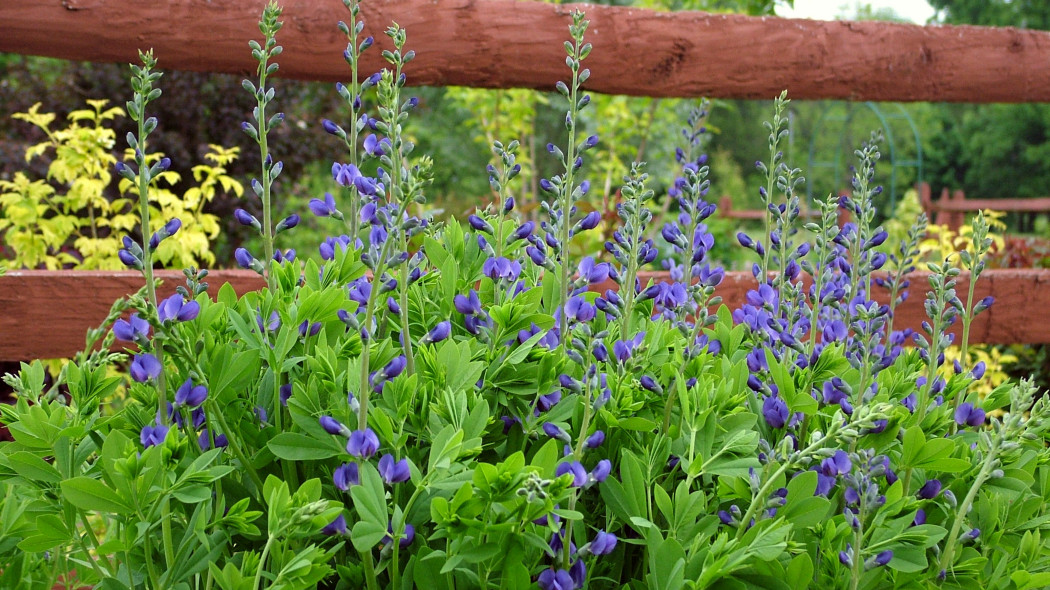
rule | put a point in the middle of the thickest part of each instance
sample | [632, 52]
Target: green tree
[992, 151]
[1026, 14]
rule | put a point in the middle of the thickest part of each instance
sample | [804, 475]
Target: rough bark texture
[504, 43]
[46, 314]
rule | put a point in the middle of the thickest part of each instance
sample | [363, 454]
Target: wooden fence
[951, 209]
[503, 44]
[46, 314]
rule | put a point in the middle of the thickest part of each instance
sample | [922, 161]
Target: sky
[917, 11]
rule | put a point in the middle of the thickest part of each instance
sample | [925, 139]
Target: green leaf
[1028, 581]
[366, 535]
[638, 424]
[803, 509]
[32, 467]
[293, 446]
[800, 572]
[909, 560]
[370, 497]
[92, 494]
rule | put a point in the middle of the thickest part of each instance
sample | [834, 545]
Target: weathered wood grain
[46, 314]
[506, 43]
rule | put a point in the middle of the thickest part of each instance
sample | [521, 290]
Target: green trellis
[845, 114]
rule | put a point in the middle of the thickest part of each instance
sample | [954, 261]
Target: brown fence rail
[46, 314]
[504, 43]
[951, 208]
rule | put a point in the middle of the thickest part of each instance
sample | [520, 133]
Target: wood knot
[674, 60]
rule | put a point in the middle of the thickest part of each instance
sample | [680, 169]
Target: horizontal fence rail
[505, 44]
[46, 314]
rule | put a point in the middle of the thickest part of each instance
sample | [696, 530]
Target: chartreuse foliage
[483, 412]
[71, 220]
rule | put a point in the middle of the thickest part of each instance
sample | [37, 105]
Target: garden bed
[47, 313]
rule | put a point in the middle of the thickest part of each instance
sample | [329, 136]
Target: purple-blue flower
[579, 473]
[243, 257]
[578, 309]
[331, 425]
[176, 308]
[244, 218]
[131, 329]
[884, 557]
[362, 443]
[336, 527]
[624, 349]
[479, 224]
[551, 579]
[651, 384]
[603, 543]
[325, 208]
[395, 367]
[406, 538]
[523, 231]
[438, 332]
[376, 147]
[346, 475]
[145, 367]
[129, 259]
[204, 441]
[501, 268]
[557, 432]
[393, 471]
[153, 435]
[590, 221]
[469, 304]
[601, 470]
[190, 395]
[775, 411]
[594, 273]
[930, 489]
[966, 414]
[595, 440]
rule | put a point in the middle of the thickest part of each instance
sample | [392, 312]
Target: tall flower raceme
[141, 174]
[508, 246]
[358, 123]
[690, 239]
[903, 261]
[775, 313]
[259, 130]
[632, 251]
[564, 188]
[975, 263]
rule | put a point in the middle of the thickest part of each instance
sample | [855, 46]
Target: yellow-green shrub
[66, 220]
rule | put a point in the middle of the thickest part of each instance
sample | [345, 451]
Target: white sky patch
[917, 11]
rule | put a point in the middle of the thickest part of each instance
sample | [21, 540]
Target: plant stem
[147, 259]
[94, 540]
[410, 365]
[165, 527]
[948, 554]
[238, 451]
[149, 559]
[764, 491]
[262, 561]
[366, 349]
[858, 542]
[370, 571]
